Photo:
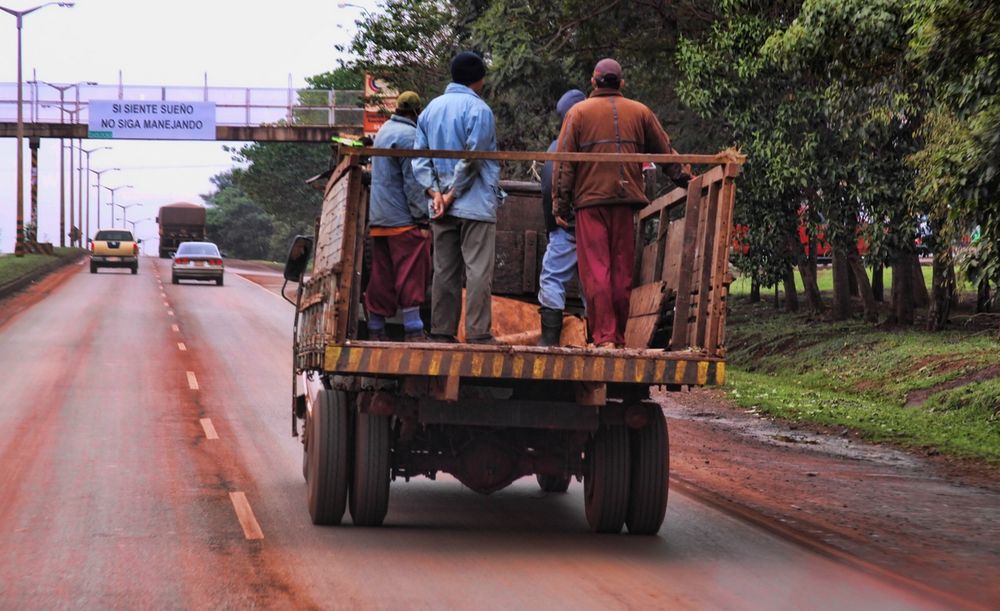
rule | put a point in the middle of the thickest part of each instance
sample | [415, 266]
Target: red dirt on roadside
[933, 520]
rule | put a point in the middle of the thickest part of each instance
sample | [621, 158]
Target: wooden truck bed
[675, 334]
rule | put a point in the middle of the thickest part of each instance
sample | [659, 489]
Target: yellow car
[114, 248]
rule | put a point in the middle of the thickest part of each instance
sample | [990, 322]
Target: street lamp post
[62, 157]
[19, 15]
[99, 173]
[112, 190]
[124, 208]
[73, 116]
[87, 152]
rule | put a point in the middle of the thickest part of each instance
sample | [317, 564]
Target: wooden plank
[646, 307]
[673, 252]
[706, 251]
[647, 271]
[646, 299]
[722, 158]
[682, 305]
[715, 340]
[676, 197]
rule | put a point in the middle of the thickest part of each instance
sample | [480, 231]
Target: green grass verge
[852, 374]
[12, 268]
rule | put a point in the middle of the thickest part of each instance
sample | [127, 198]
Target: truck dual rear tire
[650, 449]
[606, 481]
[370, 485]
[329, 455]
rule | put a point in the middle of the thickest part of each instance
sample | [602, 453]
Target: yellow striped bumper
[524, 363]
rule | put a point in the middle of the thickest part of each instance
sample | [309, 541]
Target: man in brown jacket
[605, 196]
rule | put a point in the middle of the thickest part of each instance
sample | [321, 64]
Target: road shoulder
[934, 520]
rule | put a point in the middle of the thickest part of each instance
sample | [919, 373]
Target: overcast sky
[171, 43]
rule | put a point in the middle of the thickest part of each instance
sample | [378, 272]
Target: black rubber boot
[552, 321]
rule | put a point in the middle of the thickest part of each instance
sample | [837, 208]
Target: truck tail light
[91, 245]
[135, 249]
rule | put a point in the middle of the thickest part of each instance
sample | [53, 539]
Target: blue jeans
[558, 269]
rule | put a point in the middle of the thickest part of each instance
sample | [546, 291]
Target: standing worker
[397, 218]
[559, 262]
[464, 196]
[605, 196]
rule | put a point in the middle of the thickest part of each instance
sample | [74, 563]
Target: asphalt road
[146, 462]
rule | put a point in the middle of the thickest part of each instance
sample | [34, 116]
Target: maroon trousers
[605, 250]
[401, 266]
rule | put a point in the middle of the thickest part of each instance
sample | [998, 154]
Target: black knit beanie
[467, 68]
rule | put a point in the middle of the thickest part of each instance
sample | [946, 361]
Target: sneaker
[487, 340]
[417, 336]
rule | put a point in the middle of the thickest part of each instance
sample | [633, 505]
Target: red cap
[606, 67]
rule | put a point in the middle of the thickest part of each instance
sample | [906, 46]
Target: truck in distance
[180, 222]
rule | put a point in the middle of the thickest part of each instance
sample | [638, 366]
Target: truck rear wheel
[370, 489]
[329, 457]
[606, 482]
[650, 449]
[553, 483]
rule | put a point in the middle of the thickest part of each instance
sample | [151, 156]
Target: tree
[234, 222]
[956, 44]
[771, 118]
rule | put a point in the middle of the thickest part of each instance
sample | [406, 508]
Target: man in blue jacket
[559, 262]
[464, 196]
[397, 220]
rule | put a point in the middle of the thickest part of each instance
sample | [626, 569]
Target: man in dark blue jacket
[559, 262]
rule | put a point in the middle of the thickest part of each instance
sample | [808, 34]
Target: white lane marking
[181, 347]
[192, 381]
[209, 428]
[175, 328]
[164, 295]
[170, 312]
[167, 304]
[251, 529]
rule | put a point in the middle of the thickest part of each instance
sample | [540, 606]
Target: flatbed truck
[374, 412]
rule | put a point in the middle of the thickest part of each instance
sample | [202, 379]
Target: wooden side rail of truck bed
[682, 276]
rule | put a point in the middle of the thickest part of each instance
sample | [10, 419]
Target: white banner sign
[145, 120]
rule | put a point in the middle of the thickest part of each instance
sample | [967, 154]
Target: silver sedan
[197, 261]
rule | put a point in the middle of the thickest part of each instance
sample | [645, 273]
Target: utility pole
[19, 15]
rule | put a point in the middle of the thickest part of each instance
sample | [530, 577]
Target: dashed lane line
[209, 428]
[170, 312]
[192, 381]
[181, 347]
[175, 328]
[251, 529]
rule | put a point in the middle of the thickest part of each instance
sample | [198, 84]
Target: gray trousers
[461, 244]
